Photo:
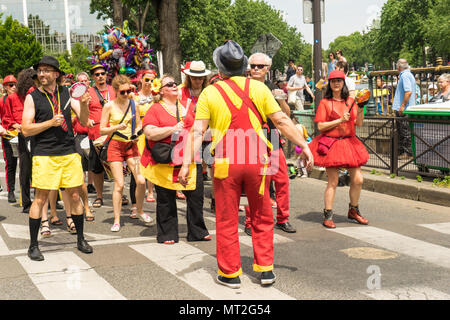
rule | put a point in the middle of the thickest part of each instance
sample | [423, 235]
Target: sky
[342, 17]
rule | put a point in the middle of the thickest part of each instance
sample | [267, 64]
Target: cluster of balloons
[122, 52]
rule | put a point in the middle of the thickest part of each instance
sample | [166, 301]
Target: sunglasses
[123, 92]
[44, 71]
[170, 84]
[98, 74]
[147, 80]
[11, 85]
[259, 66]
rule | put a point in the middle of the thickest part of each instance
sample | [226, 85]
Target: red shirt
[158, 116]
[331, 109]
[13, 110]
[95, 109]
[185, 95]
[2, 109]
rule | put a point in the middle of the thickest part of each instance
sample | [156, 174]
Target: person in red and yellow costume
[235, 109]
[10, 85]
[165, 124]
[100, 93]
[337, 146]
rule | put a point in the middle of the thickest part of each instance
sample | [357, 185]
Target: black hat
[49, 61]
[230, 59]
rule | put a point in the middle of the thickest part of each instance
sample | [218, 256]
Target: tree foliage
[18, 48]
[405, 29]
[206, 24]
[76, 62]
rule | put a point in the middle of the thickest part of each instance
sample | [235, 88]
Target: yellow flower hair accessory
[156, 86]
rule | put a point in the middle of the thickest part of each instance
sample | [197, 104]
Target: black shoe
[91, 188]
[84, 247]
[26, 209]
[35, 254]
[286, 227]
[11, 197]
[248, 231]
[233, 283]
[267, 278]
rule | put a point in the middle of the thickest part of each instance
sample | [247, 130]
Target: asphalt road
[403, 254]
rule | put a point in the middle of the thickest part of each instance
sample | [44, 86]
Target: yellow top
[212, 106]
[114, 119]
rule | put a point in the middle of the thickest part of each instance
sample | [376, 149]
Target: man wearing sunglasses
[260, 65]
[100, 93]
[10, 85]
[297, 84]
[55, 163]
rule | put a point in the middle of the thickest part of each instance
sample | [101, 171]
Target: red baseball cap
[9, 79]
[336, 74]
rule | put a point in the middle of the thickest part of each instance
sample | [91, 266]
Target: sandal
[150, 198]
[207, 238]
[115, 227]
[169, 242]
[181, 196]
[89, 218]
[146, 218]
[56, 222]
[71, 226]
[45, 229]
[133, 214]
[124, 200]
[97, 203]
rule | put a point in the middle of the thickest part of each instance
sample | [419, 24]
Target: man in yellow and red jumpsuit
[236, 109]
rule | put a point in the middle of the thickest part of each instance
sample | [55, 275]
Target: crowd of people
[170, 137]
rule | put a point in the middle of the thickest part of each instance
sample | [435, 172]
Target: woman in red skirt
[337, 146]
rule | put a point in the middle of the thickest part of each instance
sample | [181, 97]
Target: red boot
[328, 219]
[353, 214]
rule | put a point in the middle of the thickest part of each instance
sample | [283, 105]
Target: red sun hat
[336, 74]
[9, 79]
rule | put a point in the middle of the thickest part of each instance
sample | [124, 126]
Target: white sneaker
[115, 227]
[321, 168]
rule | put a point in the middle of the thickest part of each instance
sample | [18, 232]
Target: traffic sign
[268, 44]
[308, 11]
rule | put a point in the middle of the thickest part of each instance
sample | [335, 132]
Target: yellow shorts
[54, 172]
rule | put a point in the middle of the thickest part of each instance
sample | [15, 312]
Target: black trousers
[167, 217]
[24, 171]
[404, 135]
[10, 165]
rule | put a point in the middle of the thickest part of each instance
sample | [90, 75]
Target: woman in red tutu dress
[337, 146]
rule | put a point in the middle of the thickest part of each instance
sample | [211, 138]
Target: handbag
[292, 97]
[161, 151]
[103, 153]
[324, 145]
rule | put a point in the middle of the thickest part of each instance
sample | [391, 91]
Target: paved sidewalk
[406, 188]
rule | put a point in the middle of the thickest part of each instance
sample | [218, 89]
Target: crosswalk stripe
[443, 227]
[198, 269]
[422, 250]
[407, 293]
[65, 276]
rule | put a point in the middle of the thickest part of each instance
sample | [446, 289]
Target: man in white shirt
[349, 82]
[296, 85]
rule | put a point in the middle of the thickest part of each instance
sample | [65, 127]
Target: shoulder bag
[103, 154]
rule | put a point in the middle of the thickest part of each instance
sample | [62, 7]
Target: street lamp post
[371, 105]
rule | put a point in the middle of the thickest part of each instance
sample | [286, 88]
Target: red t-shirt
[331, 109]
[95, 109]
[159, 116]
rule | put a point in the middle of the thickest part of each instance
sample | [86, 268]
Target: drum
[98, 143]
[14, 142]
[84, 144]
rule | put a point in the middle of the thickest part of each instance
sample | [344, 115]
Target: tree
[18, 48]
[437, 28]
[354, 48]
[76, 62]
